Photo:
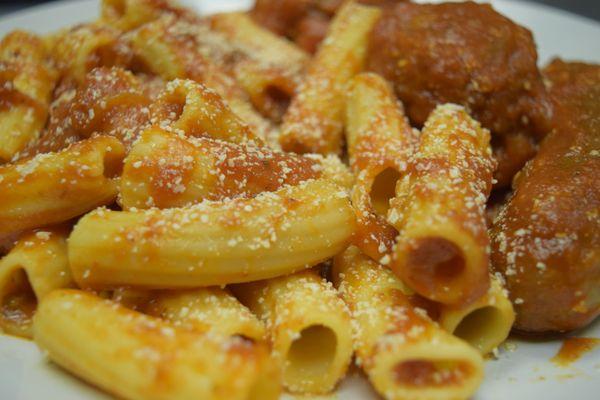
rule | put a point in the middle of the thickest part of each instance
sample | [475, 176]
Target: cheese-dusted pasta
[443, 248]
[35, 266]
[55, 187]
[134, 356]
[172, 48]
[194, 207]
[484, 324]
[314, 120]
[110, 101]
[211, 309]
[271, 67]
[126, 15]
[380, 142]
[269, 88]
[80, 49]
[206, 310]
[308, 326]
[166, 170]
[192, 108]
[404, 353]
[259, 43]
[26, 83]
[212, 243]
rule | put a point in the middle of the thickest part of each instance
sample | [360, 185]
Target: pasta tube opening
[308, 326]
[481, 323]
[172, 105]
[311, 354]
[383, 190]
[276, 100]
[112, 164]
[33, 268]
[434, 366]
[485, 323]
[17, 302]
[435, 259]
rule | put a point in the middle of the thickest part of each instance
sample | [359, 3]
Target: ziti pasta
[315, 119]
[36, 266]
[308, 326]
[212, 243]
[165, 170]
[405, 354]
[26, 83]
[55, 187]
[193, 207]
[380, 143]
[443, 248]
[135, 356]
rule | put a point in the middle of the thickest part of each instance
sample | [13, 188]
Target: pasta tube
[134, 356]
[484, 324]
[308, 326]
[56, 187]
[208, 309]
[270, 89]
[443, 248]
[84, 47]
[314, 120]
[212, 243]
[165, 170]
[271, 68]
[405, 355]
[259, 43]
[380, 143]
[191, 108]
[174, 48]
[33, 268]
[26, 84]
[126, 15]
[109, 101]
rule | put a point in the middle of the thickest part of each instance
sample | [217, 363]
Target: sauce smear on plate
[573, 349]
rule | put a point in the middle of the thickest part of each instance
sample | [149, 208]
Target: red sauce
[422, 373]
[573, 349]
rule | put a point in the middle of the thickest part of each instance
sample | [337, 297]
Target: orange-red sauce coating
[545, 241]
[573, 349]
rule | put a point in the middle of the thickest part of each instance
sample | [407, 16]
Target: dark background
[587, 8]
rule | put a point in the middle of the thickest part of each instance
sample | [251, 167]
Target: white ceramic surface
[521, 374]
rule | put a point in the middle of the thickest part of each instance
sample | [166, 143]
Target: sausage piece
[546, 240]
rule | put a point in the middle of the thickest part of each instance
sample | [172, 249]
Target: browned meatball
[465, 53]
[546, 240]
[303, 21]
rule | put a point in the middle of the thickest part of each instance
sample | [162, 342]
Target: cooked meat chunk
[546, 240]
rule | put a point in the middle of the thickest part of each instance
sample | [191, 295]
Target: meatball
[303, 21]
[546, 240]
[465, 53]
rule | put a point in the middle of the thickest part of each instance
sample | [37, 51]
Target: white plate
[523, 373]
